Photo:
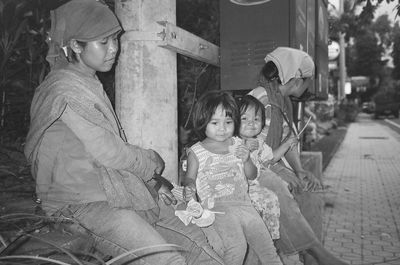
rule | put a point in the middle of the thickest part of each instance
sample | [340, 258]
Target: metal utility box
[248, 33]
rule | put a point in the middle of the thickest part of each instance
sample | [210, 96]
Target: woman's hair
[72, 56]
[206, 106]
[270, 72]
[249, 101]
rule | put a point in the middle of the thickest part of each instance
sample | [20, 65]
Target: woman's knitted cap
[82, 20]
[291, 63]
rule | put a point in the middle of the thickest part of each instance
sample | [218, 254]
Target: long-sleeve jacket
[76, 149]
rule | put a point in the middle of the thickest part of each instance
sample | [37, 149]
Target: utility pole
[342, 59]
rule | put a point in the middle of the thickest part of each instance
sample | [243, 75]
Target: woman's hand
[159, 162]
[311, 183]
[294, 183]
[166, 195]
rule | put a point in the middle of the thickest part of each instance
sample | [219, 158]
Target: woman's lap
[119, 230]
[296, 233]
[197, 249]
[310, 203]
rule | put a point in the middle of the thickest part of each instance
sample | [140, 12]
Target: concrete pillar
[146, 80]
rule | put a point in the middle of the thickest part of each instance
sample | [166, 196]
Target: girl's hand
[251, 144]
[189, 193]
[242, 152]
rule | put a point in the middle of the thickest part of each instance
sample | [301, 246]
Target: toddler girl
[252, 121]
[218, 172]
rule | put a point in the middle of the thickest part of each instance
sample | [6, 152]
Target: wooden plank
[188, 44]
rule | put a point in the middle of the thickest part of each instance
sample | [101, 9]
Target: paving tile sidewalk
[362, 214]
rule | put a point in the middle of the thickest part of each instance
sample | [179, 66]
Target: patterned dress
[211, 171]
[221, 184]
[264, 200]
[220, 177]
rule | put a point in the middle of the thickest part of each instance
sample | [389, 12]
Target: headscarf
[279, 105]
[82, 20]
[291, 63]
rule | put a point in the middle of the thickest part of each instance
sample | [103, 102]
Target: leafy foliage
[371, 6]
[351, 22]
[201, 17]
[367, 55]
[23, 32]
[368, 39]
[383, 28]
[22, 62]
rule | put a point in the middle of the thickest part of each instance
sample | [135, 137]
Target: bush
[346, 112]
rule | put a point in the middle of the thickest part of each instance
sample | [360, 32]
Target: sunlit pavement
[362, 214]
[362, 201]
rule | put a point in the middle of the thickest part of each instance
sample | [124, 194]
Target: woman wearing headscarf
[85, 170]
[288, 72]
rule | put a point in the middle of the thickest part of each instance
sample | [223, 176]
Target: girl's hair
[270, 72]
[206, 106]
[249, 101]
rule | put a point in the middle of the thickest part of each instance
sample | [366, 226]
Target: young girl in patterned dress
[217, 170]
[252, 121]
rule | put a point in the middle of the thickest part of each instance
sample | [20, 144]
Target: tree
[352, 23]
[382, 26]
[368, 40]
[366, 54]
[372, 5]
[396, 51]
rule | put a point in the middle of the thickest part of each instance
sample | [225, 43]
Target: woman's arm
[310, 181]
[110, 150]
[279, 152]
[293, 158]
